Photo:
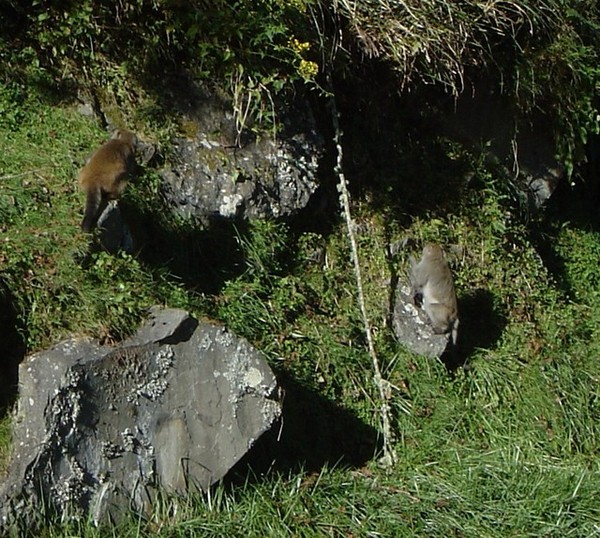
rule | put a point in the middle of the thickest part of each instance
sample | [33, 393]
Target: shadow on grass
[12, 352]
[576, 205]
[206, 256]
[203, 258]
[313, 433]
[481, 325]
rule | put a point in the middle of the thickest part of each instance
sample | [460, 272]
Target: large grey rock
[221, 170]
[99, 429]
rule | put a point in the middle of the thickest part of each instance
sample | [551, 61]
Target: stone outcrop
[412, 327]
[114, 233]
[220, 170]
[102, 429]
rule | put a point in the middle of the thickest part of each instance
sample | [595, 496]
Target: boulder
[221, 169]
[102, 429]
[412, 328]
[114, 235]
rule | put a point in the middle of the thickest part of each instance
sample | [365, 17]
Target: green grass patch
[507, 446]
[59, 284]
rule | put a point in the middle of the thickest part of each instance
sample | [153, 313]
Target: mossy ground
[505, 446]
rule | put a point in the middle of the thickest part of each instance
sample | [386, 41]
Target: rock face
[216, 172]
[412, 328]
[99, 429]
[115, 234]
[526, 148]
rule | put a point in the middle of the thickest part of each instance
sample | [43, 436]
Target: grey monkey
[433, 290]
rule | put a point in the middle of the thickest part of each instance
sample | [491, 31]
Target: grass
[59, 284]
[507, 446]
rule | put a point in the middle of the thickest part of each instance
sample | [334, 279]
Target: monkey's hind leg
[94, 203]
[438, 317]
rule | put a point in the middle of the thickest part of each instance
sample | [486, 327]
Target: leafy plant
[251, 47]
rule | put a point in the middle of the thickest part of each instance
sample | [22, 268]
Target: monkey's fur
[431, 280]
[104, 176]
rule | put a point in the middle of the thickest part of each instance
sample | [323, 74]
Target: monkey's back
[432, 281]
[439, 285]
[110, 163]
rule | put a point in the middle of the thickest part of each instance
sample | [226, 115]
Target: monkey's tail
[92, 205]
[454, 332]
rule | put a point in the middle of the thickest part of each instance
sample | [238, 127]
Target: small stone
[412, 328]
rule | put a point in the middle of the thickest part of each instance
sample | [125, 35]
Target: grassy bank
[507, 446]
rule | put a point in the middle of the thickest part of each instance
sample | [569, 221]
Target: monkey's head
[431, 250]
[126, 136]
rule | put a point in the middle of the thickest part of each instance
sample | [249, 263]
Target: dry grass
[439, 39]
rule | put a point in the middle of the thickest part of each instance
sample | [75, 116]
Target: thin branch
[22, 174]
[389, 456]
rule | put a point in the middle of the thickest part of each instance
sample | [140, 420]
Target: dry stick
[389, 457]
[22, 174]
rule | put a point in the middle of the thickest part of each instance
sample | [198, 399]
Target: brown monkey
[432, 281]
[104, 176]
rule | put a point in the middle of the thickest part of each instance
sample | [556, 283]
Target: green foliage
[256, 49]
[560, 75]
[264, 249]
[58, 286]
[580, 252]
[544, 56]
[12, 106]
